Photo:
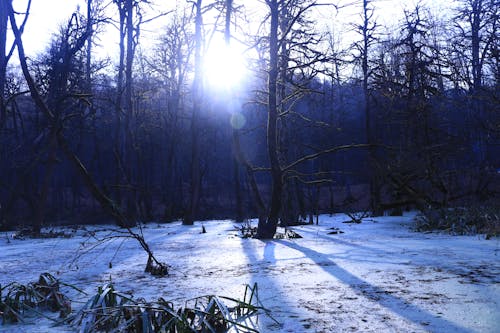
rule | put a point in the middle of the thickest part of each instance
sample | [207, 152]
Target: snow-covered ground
[378, 276]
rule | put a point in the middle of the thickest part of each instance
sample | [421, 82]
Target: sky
[47, 15]
[43, 21]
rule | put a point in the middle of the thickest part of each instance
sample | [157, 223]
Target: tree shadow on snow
[397, 305]
[271, 294]
[377, 255]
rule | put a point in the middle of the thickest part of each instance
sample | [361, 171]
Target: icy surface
[377, 276]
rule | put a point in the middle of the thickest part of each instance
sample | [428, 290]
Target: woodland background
[402, 116]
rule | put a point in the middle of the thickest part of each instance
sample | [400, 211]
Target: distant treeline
[415, 124]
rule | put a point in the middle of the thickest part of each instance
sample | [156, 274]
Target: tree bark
[131, 195]
[4, 16]
[195, 185]
[119, 150]
[88, 55]
[267, 228]
[367, 31]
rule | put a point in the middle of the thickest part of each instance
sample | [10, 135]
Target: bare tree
[195, 181]
[171, 61]
[123, 142]
[6, 53]
[267, 228]
[367, 30]
[292, 65]
[235, 143]
[72, 42]
[476, 23]
[3, 59]
[129, 26]
[54, 119]
[410, 84]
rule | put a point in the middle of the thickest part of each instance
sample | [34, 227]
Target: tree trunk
[236, 165]
[131, 194]
[195, 188]
[119, 150]
[237, 192]
[41, 205]
[88, 55]
[3, 59]
[475, 23]
[266, 229]
[372, 156]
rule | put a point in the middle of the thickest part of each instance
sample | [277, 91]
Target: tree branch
[323, 152]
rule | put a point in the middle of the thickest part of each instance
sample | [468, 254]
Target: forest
[250, 166]
[389, 118]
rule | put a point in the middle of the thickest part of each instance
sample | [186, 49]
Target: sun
[224, 66]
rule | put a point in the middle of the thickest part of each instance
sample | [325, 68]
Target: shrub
[110, 310]
[462, 220]
[246, 230]
[43, 295]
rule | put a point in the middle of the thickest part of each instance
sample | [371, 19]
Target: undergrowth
[28, 233]
[111, 311]
[18, 300]
[246, 230]
[357, 217]
[471, 220]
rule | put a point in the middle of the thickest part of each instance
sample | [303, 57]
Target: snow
[377, 276]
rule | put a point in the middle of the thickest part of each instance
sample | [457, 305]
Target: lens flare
[238, 120]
